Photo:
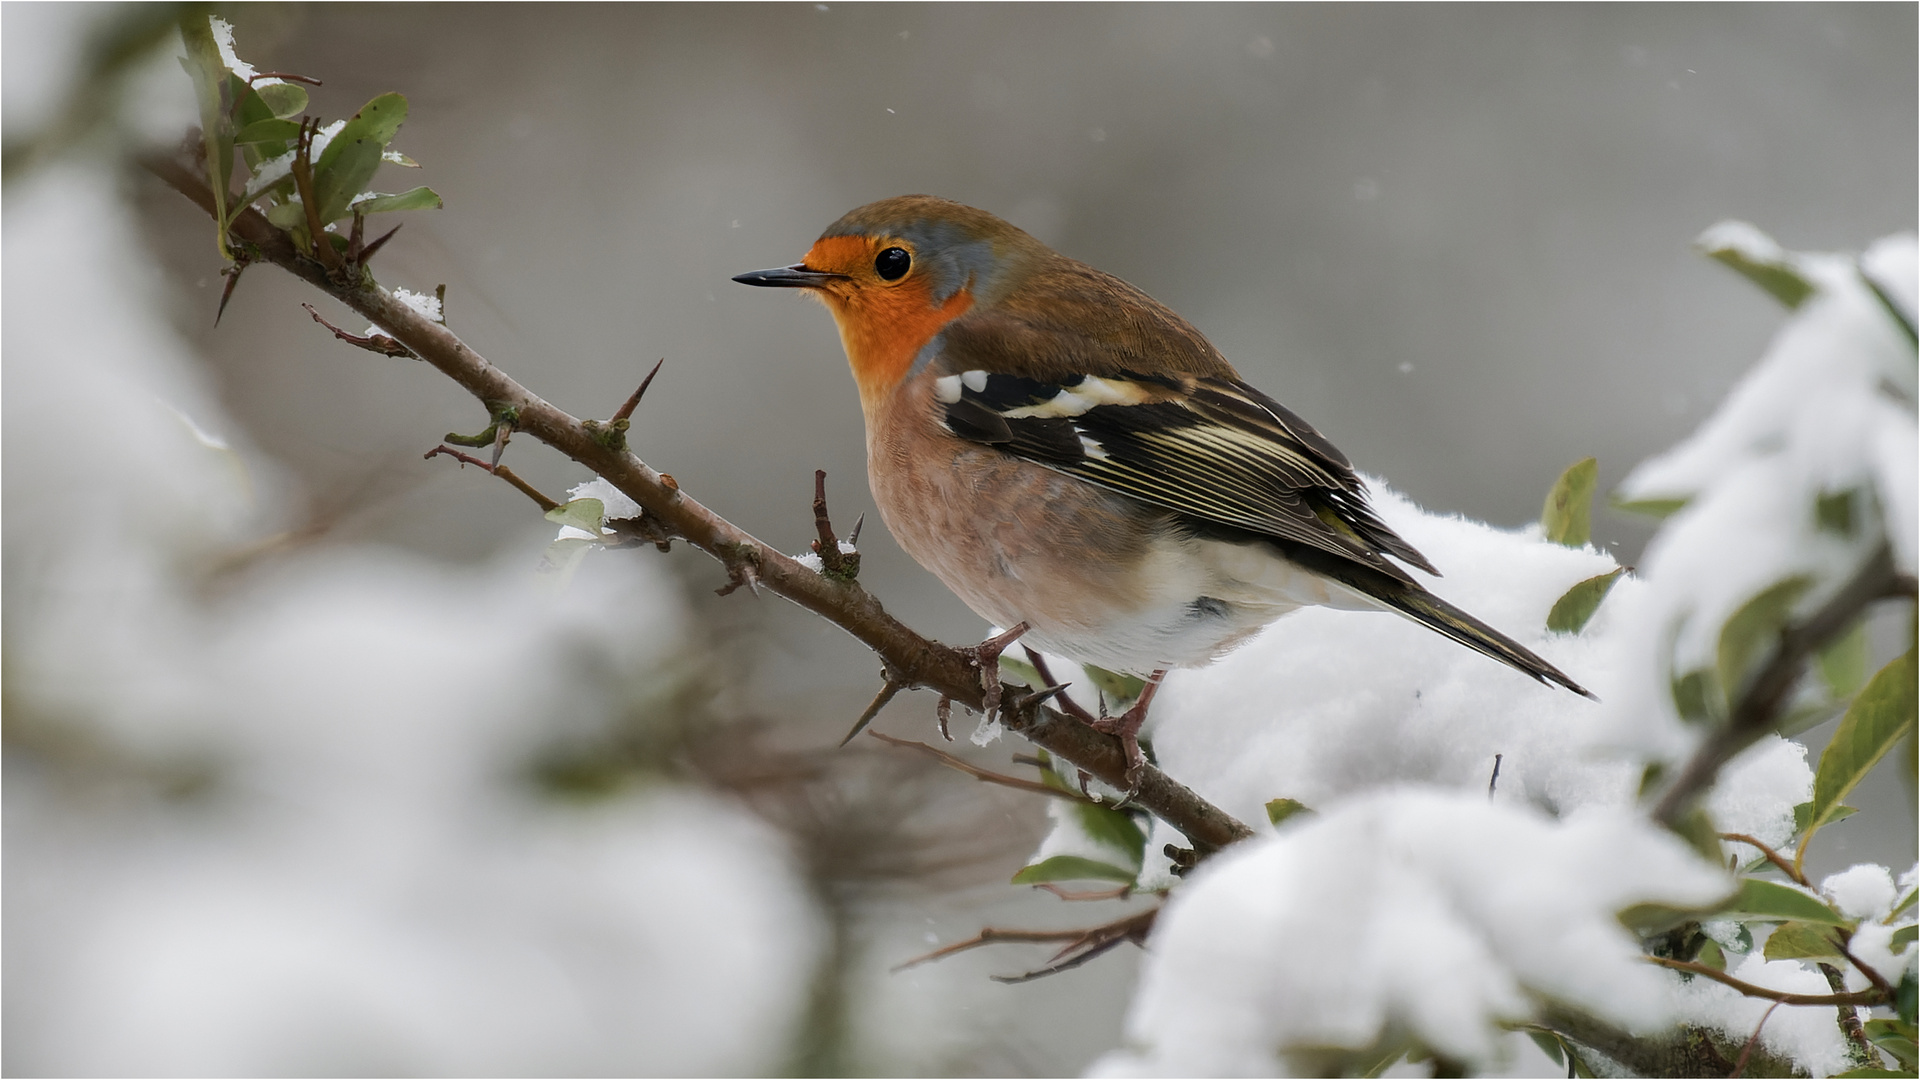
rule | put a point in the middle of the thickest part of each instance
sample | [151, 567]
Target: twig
[1753, 1040]
[500, 471]
[833, 562]
[978, 773]
[1494, 779]
[918, 661]
[287, 76]
[1757, 709]
[1860, 997]
[375, 343]
[1081, 945]
[303, 182]
[1773, 856]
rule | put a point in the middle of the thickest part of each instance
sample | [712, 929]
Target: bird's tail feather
[1429, 610]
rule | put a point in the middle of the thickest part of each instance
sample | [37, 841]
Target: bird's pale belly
[1097, 579]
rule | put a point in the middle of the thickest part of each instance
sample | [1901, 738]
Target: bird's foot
[1127, 727]
[986, 657]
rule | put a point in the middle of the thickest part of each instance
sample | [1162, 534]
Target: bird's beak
[796, 276]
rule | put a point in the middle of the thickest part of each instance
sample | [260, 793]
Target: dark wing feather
[1200, 446]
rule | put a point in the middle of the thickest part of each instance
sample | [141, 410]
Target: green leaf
[1112, 828]
[1835, 511]
[1279, 810]
[1118, 688]
[1753, 629]
[1770, 900]
[1844, 663]
[1801, 941]
[1692, 693]
[587, 515]
[1550, 1046]
[1571, 612]
[283, 99]
[563, 557]
[420, 198]
[1905, 901]
[1868, 1074]
[1711, 955]
[1655, 508]
[1896, 1037]
[288, 215]
[1803, 815]
[1697, 829]
[1020, 671]
[1760, 261]
[209, 75]
[1072, 868]
[268, 130]
[1902, 938]
[1568, 514]
[351, 158]
[1904, 995]
[1879, 718]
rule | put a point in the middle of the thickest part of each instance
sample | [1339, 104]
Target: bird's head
[896, 271]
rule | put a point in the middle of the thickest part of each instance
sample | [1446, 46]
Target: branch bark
[917, 661]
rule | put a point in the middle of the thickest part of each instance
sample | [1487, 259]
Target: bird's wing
[1204, 445]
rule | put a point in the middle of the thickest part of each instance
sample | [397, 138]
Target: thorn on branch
[834, 564]
[500, 471]
[285, 76]
[741, 560]
[854, 536]
[889, 686]
[322, 246]
[1753, 1040]
[374, 343]
[1493, 780]
[241, 260]
[943, 716]
[626, 410]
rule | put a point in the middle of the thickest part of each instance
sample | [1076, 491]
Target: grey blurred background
[1454, 238]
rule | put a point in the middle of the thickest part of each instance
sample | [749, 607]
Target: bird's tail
[1429, 610]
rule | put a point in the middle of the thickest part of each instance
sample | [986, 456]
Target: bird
[1065, 452]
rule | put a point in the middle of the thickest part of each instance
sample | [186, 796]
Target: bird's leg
[986, 657]
[1127, 727]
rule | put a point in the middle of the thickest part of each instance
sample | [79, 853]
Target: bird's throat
[883, 332]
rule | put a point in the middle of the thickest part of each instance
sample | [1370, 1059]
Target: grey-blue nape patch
[926, 354]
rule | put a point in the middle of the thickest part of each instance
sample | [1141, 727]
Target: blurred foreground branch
[912, 659]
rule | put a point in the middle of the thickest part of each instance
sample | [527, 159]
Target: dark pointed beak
[796, 276]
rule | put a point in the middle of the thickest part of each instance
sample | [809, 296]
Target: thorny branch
[919, 661]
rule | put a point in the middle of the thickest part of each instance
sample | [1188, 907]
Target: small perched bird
[1064, 451]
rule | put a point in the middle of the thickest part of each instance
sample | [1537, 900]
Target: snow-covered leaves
[1399, 919]
[241, 110]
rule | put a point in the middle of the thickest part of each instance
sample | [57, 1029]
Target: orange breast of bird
[882, 328]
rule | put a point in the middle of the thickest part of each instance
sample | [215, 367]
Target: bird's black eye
[892, 264]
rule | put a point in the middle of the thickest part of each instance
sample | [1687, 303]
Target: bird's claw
[986, 657]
